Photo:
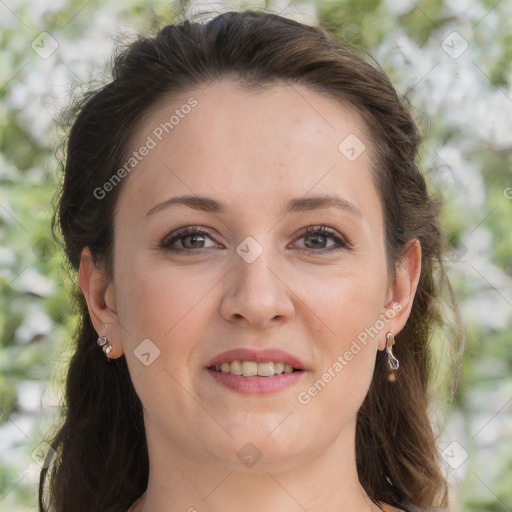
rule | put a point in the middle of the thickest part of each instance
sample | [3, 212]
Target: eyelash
[309, 231]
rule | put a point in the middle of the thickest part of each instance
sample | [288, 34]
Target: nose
[257, 294]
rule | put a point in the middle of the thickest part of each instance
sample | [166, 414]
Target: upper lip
[258, 356]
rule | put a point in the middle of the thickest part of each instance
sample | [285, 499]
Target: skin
[253, 150]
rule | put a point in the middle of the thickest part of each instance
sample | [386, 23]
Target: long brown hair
[102, 459]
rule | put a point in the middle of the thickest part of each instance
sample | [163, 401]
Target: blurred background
[451, 59]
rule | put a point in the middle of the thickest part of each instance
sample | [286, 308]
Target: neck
[325, 481]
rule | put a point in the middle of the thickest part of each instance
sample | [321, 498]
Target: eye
[316, 238]
[192, 239]
[188, 238]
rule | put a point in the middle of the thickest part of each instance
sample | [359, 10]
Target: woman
[260, 267]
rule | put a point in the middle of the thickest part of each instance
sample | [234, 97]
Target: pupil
[195, 239]
[315, 238]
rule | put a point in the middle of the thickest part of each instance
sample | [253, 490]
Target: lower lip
[256, 385]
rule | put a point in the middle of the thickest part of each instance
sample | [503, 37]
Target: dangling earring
[102, 341]
[392, 360]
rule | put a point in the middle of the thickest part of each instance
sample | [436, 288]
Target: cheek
[349, 308]
[345, 303]
[170, 308]
[159, 302]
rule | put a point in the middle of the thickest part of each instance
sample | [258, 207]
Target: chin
[267, 446]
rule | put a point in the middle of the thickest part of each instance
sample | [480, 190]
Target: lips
[257, 356]
[256, 372]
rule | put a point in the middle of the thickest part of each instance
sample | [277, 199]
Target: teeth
[253, 369]
[249, 368]
[236, 367]
[266, 369]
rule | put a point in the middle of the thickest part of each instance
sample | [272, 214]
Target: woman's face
[258, 169]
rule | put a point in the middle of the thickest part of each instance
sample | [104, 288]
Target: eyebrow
[302, 204]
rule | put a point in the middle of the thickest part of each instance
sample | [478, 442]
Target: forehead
[249, 145]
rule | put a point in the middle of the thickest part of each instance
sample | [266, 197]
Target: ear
[402, 292]
[99, 293]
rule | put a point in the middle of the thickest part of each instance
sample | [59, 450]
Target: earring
[102, 341]
[392, 360]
